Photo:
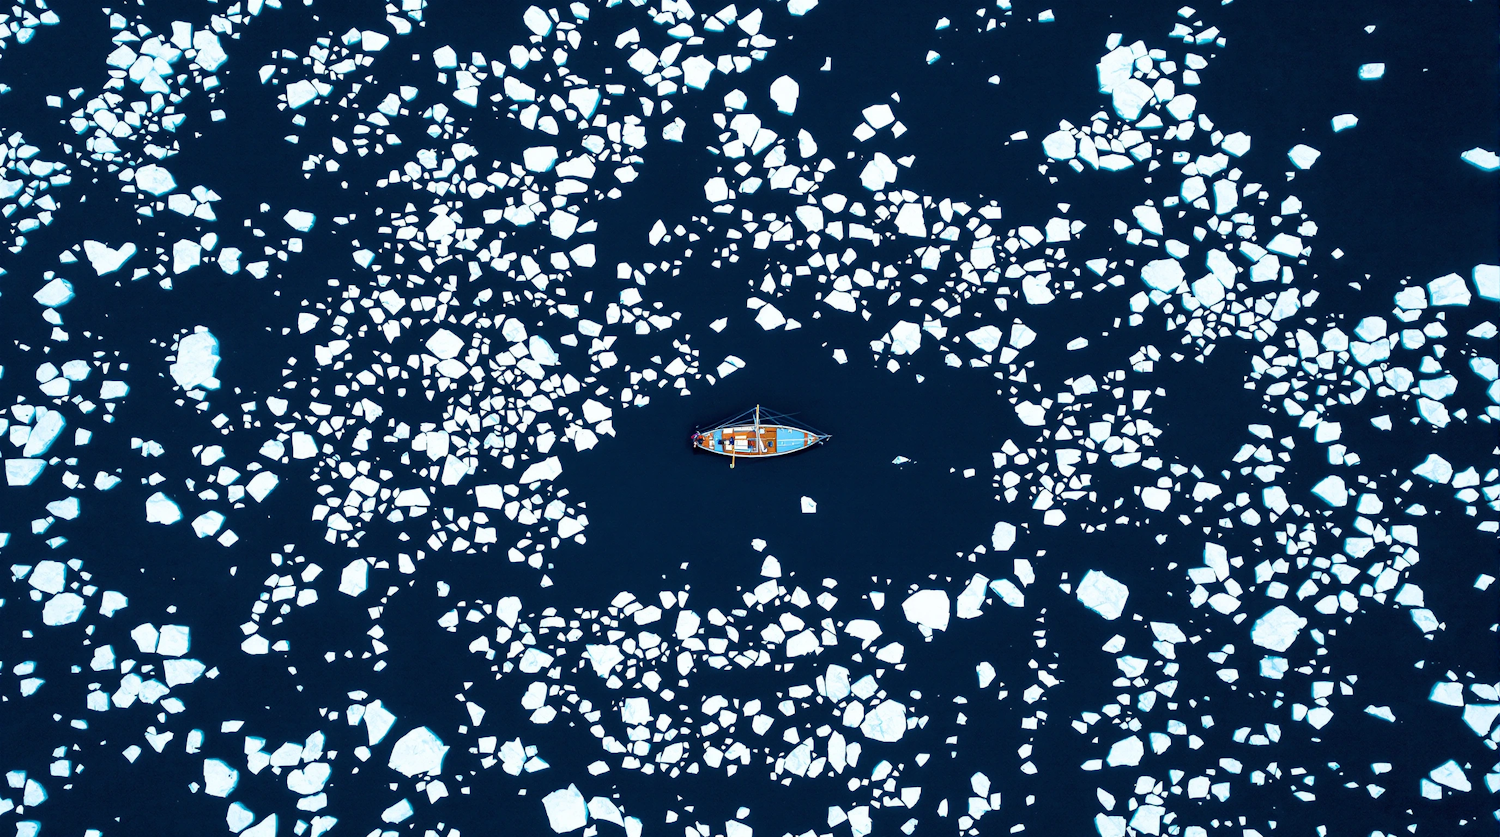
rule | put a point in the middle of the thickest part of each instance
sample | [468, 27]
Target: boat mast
[755, 443]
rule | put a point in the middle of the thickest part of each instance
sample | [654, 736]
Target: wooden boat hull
[749, 440]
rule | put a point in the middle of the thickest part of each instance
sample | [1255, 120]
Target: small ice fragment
[419, 751]
[1303, 156]
[927, 608]
[566, 809]
[809, 505]
[299, 220]
[1481, 158]
[1277, 629]
[1370, 72]
[1102, 594]
[1344, 122]
[161, 509]
[784, 92]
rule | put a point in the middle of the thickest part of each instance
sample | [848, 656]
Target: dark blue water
[1392, 194]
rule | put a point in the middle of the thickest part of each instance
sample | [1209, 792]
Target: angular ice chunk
[1126, 752]
[906, 338]
[539, 159]
[154, 179]
[987, 338]
[928, 608]
[418, 751]
[566, 809]
[1003, 537]
[1277, 629]
[885, 722]
[1344, 122]
[1303, 156]
[1448, 290]
[55, 294]
[1370, 72]
[1130, 98]
[106, 260]
[1102, 594]
[161, 509]
[299, 220]
[809, 505]
[784, 93]
[1060, 145]
[1481, 158]
[877, 173]
[1164, 275]
[1331, 490]
[548, 469]
[219, 779]
[197, 360]
[62, 609]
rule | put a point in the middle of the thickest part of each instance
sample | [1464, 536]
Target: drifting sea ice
[1102, 594]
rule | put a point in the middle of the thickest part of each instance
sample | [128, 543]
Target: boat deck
[748, 440]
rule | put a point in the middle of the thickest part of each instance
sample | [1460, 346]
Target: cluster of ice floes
[441, 382]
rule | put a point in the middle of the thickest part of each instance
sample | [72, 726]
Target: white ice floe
[154, 179]
[353, 579]
[1163, 275]
[1344, 122]
[566, 809]
[1277, 629]
[928, 608]
[105, 259]
[987, 338]
[161, 509]
[55, 294]
[1126, 752]
[540, 158]
[809, 505]
[885, 722]
[546, 470]
[1102, 594]
[784, 92]
[1303, 156]
[1332, 490]
[1370, 72]
[418, 752]
[1481, 158]
[906, 338]
[62, 609]
[299, 220]
[219, 779]
[197, 360]
[1448, 290]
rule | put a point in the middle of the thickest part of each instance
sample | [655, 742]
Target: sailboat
[757, 433]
